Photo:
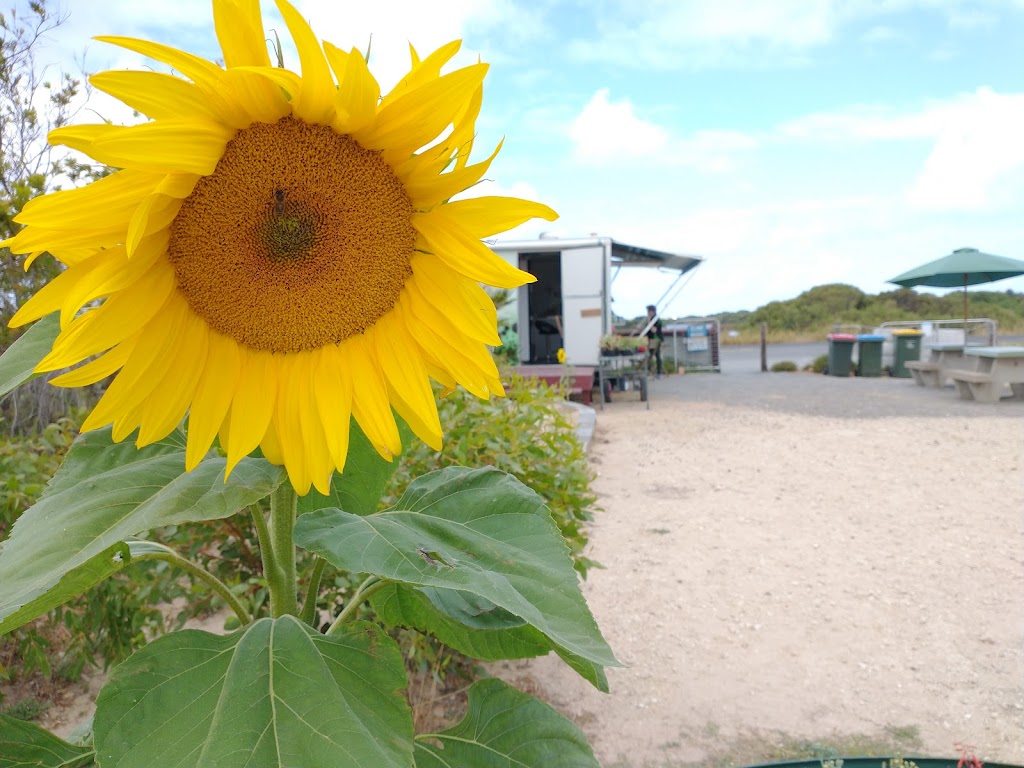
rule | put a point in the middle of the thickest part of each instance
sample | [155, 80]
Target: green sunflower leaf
[481, 532]
[24, 745]
[505, 727]
[273, 694]
[358, 489]
[473, 626]
[18, 362]
[104, 493]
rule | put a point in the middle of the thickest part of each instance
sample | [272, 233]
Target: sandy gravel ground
[809, 555]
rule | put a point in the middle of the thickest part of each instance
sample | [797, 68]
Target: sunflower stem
[270, 570]
[283, 589]
[168, 555]
[367, 588]
[308, 614]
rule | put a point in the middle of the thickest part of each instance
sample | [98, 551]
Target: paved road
[737, 358]
[747, 357]
[818, 395]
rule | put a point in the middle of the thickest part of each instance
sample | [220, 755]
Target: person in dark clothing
[654, 338]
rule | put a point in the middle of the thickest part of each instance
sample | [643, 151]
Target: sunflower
[279, 253]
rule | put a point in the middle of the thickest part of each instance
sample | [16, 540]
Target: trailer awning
[622, 255]
[635, 256]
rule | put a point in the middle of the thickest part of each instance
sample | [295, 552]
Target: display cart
[622, 373]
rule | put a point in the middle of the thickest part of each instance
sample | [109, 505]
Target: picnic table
[627, 371]
[942, 359]
[992, 369]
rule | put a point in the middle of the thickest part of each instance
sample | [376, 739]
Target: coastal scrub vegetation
[813, 313]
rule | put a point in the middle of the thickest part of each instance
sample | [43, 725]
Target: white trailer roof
[622, 254]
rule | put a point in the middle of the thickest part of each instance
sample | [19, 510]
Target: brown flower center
[298, 239]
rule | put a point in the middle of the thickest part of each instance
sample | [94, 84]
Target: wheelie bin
[840, 353]
[869, 354]
[906, 347]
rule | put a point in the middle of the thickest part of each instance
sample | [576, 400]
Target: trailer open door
[584, 282]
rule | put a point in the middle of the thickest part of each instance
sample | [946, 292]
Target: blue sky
[789, 142]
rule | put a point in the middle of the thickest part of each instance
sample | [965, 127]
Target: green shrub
[784, 366]
[819, 365]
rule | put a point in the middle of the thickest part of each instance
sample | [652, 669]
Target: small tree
[32, 103]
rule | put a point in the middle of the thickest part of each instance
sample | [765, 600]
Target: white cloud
[978, 147]
[975, 137]
[608, 132]
[605, 131]
[694, 34]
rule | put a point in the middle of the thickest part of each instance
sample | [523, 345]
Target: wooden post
[764, 347]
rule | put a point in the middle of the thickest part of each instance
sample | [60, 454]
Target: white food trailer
[570, 304]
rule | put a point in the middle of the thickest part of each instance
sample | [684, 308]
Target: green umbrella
[964, 266]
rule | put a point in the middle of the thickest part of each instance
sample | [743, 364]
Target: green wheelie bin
[840, 353]
[906, 347]
[869, 354]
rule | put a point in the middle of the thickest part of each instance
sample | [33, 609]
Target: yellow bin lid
[908, 332]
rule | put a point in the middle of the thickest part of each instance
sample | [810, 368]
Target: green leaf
[477, 531]
[274, 694]
[18, 362]
[503, 728]
[358, 489]
[104, 493]
[24, 745]
[78, 580]
[473, 626]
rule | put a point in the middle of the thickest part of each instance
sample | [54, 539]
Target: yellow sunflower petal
[459, 369]
[447, 239]
[116, 195]
[98, 368]
[288, 423]
[407, 380]
[154, 214]
[203, 73]
[133, 384]
[318, 458]
[423, 71]
[155, 94]
[358, 91]
[487, 216]
[239, 27]
[420, 115]
[465, 301]
[370, 405]
[167, 402]
[442, 309]
[118, 318]
[186, 146]
[54, 295]
[315, 101]
[333, 391]
[427, 192]
[252, 405]
[213, 396]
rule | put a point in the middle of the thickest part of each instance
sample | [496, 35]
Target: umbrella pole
[965, 309]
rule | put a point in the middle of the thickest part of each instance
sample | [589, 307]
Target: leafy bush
[819, 365]
[784, 366]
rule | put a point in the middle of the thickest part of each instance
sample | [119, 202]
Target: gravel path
[808, 555]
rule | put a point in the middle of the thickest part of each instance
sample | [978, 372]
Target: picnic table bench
[994, 369]
[943, 358]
